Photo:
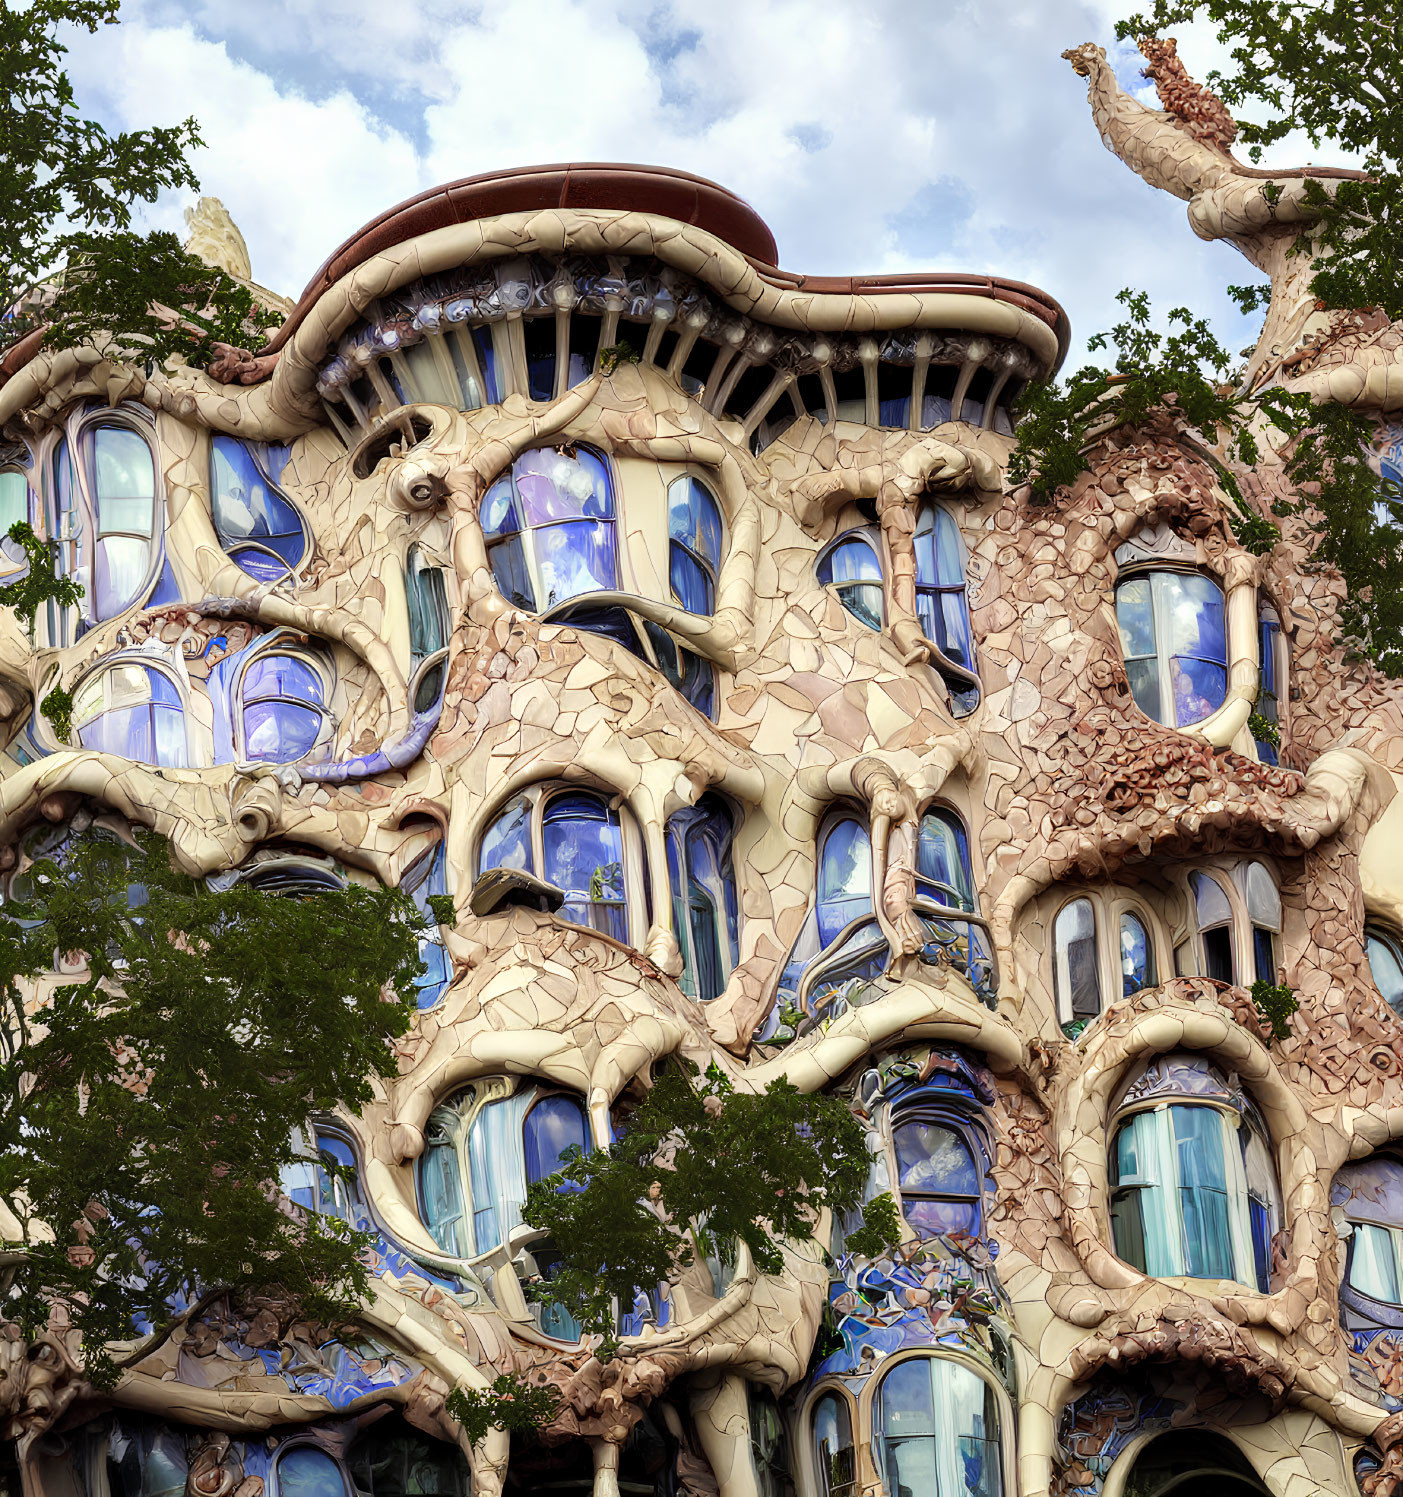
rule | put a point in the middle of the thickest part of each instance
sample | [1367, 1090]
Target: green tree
[68, 188]
[149, 1102]
[701, 1158]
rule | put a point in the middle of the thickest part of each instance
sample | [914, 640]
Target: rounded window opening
[937, 1430]
[1173, 632]
[1193, 1184]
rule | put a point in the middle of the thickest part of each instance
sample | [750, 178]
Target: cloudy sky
[871, 135]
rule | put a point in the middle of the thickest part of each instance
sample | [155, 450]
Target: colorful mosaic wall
[673, 614]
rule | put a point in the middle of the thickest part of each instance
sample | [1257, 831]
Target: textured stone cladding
[906, 779]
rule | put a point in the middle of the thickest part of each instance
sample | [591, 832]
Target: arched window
[943, 872]
[1173, 633]
[941, 602]
[835, 1455]
[1076, 969]
[482, 1150]
[1137, 955]
[425, 879]
[705, 915]
[852, 565]
[769, 1449]
[308, 1471]
[17, 503]
[119, 469]
[937, 1427]
[549, 527]
[576, 840]
[1193, 1190]
[329, 1187]
[1272, 645]
[938, 1172]
[844, 877]
[282, 713]
[134, 710]
[694, 544]
[428, 607]
[392, 1460]
[1369, 1195]
[1386, 964]
[1213, 920]
[256, 523]
[1264, 914]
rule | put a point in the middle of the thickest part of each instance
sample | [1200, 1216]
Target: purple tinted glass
[583, 852]
[148, 734]
[1200, 687]
[844, 878]
[554, 486]
[507, 841]
[942, 1216]
[498, 509]
[279, 731]
[282, 676]
[574, 559]
[553, 1125]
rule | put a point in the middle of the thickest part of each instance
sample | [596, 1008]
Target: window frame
[1271, 640]
[614, 520]
[257, 454]
[1242, 1122]
[302, 1443]
[1001, 1442]
[1231, 877]
[677, 833]
[1109, 907]
[1392, 941]
[710, 570]
[635, 870]
[937, 590]
[151, 663]
[871, 536]
[1388, 1313]
[1148, 569]
[948, 1112]
[283, 642]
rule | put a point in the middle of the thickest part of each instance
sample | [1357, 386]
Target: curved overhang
[595, 209]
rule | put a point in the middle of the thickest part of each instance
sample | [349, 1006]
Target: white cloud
[873, 136]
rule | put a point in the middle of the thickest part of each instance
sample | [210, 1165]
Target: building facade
[673, 613]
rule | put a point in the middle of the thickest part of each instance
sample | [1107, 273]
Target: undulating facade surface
[673, 614]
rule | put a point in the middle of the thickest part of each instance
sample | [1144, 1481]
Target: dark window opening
[935, 398]
[402, 431]
[893, 394]
[850, 390]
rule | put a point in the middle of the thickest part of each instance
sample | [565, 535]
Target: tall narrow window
[258, 526]
[549, 527]
[16, 504]
[1193, 1188]
[704, 906]
[835, 1455]
[1385, 952]
[1213, 916]
[1137, 955]
[852, 566]
[1076, 967]
[941, 603]
[1173, 632]
[133, 710]
[428, 607]
[1272, 645]
[844, 878]
[694, 544]
[1369, 1195]
[937, 1174]
[769, 1449]
[282, 708]
[329, 1186]
[583, 854]
[942, 861]
[121, 474]
[426, 879]
[1264, 912]
[938, 1430]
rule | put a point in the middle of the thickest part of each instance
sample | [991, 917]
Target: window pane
[1199, 686]
[844, 878]
[1137, 958]
[691, 586]
[1264, 953]
[583, 848]
[932, 1157]
[851, 560]
[1143, 676]
[1385, 965]
[1263, 901]
[442, 1196]
[1373, 1266]
[1210, 900]
[553, 1125]
[574, 559]
[122, 565]
[1075, 969]
[1218, 955]
[124, 470]
[14, 499]
[507, 841]
[1191, 609]
[1135, 616]
[282, 676]
[557, 486]
[864, 602]
[246, 506]
[834, 1455]
[428, 608]
[499, 509]
[693, 518]
[279, 732]
[1200, 1138]
[305, 1471]
[942, 861]
[942, 1442]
